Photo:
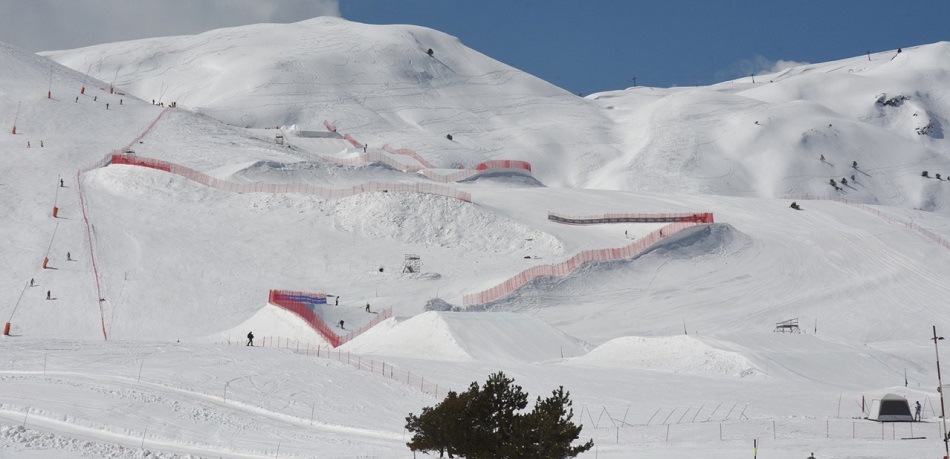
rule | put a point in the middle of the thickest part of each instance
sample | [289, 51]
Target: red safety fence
[147, 129]
[285, 299]
[568, 266]
[354, 142]
[504, 164]
[132, 160]
[451, 177]
[701, 217]
[888, 218]
[100, 299]
[329, 126]
[301, 188]
[281, 299]
[410, 153]
[383, 315]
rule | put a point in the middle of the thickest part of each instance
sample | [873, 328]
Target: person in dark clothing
[854, 164]
[69, 257]
[341, 324]
[61, 184]
[250, 338]
[430, 52]
[367, 307]
[336, 302]
[31, 282]
[48, 295]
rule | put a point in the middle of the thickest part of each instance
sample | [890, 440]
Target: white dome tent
[890, 408]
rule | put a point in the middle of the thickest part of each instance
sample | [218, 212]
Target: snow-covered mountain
[169, 269]
[887, 111]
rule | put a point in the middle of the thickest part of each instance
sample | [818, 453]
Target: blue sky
[581, 46]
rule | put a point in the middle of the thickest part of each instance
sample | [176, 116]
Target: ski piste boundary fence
[704, 217]
[370, 365]
[285, 299]
[883, 216]
[609, 433]
[680, 223]
[299, 188]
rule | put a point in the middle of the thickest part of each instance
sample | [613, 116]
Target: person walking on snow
[917, 410]
[250, 339]
[69, 257]
[341, 324]
[61, 183]
[31, 282]
[48, 295]
[337, 301]
[367, 307]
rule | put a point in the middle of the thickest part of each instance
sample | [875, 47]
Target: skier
[337, 301]
[832, 182]
[367, 307]
[854, 164]
[852, 178]
[41, 144]
[69, 257]
[917, 410]
[364, 147]
[77, 99]
[341, 324]
[844, 181]
[811, 456]
[94, 98]
[48, 295]
[795, 206]
[61, 183]
[107, 105]
[31, 282]
[430, 52]
[448, 136]
[250, 339]
[822, 157]
[120, 101]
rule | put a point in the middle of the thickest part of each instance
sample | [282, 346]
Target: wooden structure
[788, 326]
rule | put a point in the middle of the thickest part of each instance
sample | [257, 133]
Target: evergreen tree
[486, 422]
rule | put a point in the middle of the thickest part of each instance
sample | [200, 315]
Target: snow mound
[462, 336]
[677, 354]
[409, 218]
[277, 322]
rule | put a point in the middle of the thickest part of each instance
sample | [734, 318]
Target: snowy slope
[675, 347]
